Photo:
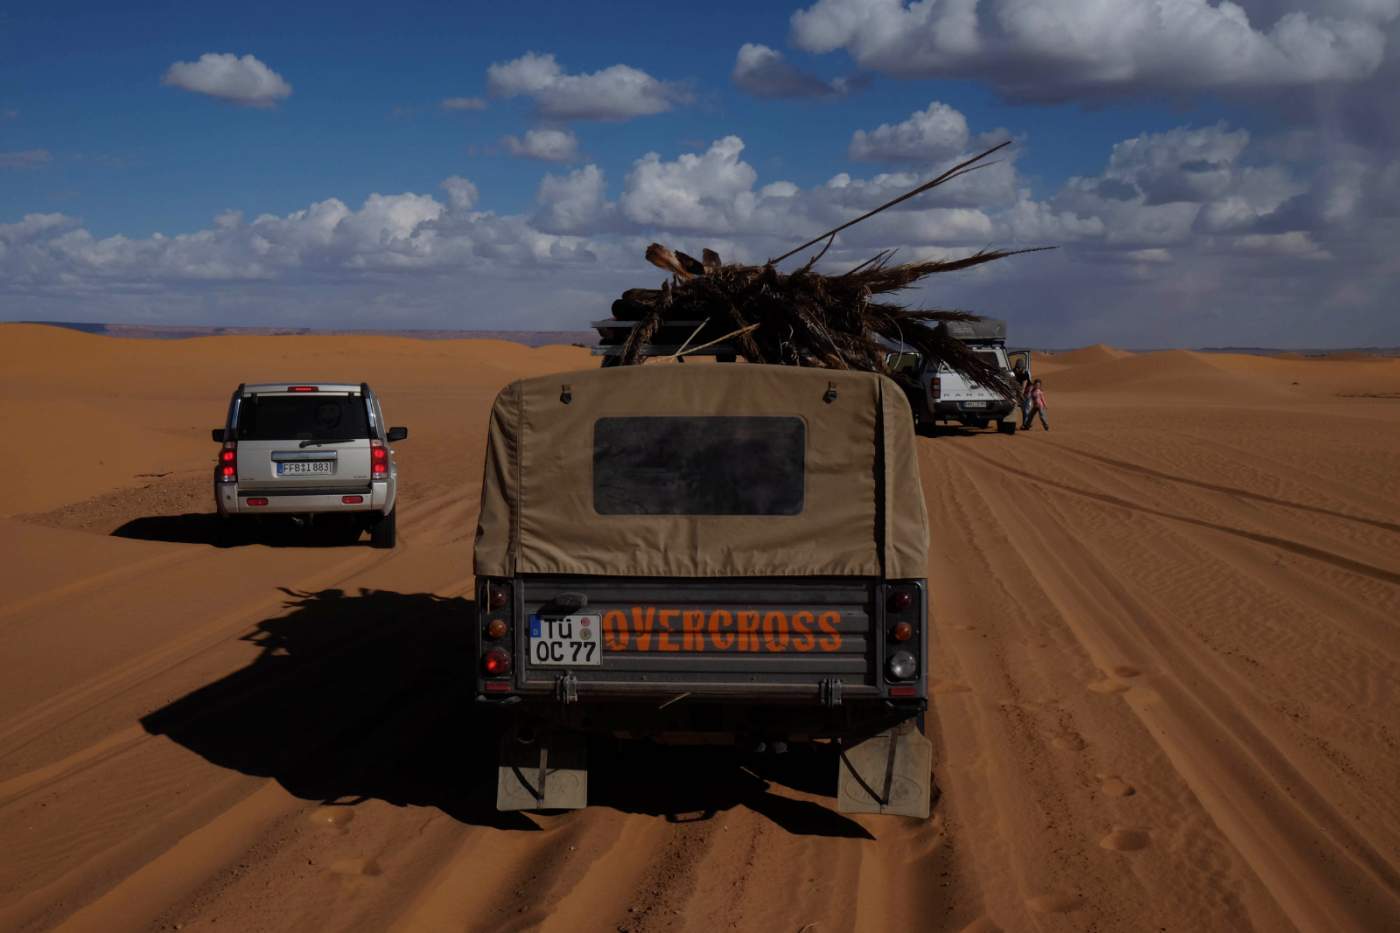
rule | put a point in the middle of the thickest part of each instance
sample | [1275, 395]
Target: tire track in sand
[1271, 813]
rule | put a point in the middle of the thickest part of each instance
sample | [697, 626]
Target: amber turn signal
[496, 629]
[902, 631]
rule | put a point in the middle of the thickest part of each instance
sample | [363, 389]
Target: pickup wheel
[384, 532]
[1007, 426]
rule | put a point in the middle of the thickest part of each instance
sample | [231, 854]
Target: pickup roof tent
[816, 471]
[986, 329]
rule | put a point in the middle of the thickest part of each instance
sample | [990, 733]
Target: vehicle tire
[384, 534]
[1007, 427]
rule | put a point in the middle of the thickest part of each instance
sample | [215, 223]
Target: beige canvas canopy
[702, 471]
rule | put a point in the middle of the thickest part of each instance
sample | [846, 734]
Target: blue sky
[1255, 160]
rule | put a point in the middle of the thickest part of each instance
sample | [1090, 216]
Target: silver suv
[308, 449]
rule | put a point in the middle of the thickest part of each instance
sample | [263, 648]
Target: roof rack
[669, 338]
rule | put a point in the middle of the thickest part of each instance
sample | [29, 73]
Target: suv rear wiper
[325, 440]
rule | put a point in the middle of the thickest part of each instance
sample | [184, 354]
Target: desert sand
[1166, 676]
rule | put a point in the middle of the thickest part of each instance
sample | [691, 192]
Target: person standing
[1023, 389]
[1036, 403]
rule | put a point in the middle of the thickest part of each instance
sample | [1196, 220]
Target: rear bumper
[993, 410]
[692, 717]
[232, 499]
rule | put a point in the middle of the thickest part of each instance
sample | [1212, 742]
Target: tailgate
[955, 387]
[785, 636]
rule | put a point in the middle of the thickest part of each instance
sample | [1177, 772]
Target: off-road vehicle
[940, 393]
[309, 450]
[731, 553]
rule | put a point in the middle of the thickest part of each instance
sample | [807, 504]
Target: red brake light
[301, 388]
[497, 596]
[378, 459]
[228, 464]
[496, 662]
[352, 500]
[257, 500]
[901, 600]
[935, 386]
[907, 690]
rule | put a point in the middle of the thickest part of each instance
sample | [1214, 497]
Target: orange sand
[1165, 676]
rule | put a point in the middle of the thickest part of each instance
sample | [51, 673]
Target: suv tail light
[935, 387]
[228, 463]
[378, 460]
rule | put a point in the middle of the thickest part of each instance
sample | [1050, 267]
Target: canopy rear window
[302, 417]
[699, 466]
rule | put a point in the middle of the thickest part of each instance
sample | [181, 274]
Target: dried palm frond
[802, 318]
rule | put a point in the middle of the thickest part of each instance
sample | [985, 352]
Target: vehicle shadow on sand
[368, 695]
[215, 531]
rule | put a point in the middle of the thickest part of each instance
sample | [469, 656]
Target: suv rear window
[302, 417]
[699, 466]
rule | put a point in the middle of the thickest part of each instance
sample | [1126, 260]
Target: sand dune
[1165, 677]
[1097, 353]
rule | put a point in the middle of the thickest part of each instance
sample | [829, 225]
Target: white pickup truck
[940, 393]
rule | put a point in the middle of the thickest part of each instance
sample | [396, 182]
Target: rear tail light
[901, 600]
[257, 500]
[228, 464]
[935, 387]
[352, 500]
[378, 460]
[301, 388]
[497, 595]
[495, 662]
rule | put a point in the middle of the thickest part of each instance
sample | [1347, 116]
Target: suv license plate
[573, 641]
[305, 466]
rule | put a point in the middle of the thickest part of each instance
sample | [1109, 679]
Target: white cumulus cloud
[764, 72]
[547, 145]
[1048, 49]
[243, 80]
[616, 93]
[930, 135]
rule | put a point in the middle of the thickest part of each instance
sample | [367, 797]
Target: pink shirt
[1038, 398]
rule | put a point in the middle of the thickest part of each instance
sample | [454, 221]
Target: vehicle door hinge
[566, 688]
[831, 691]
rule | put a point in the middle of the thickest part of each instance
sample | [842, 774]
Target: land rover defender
[719, 553]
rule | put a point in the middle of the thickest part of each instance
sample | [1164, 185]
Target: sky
[1209, 173]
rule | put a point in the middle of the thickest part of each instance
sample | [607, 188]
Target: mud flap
[549, 773]
[888, 773]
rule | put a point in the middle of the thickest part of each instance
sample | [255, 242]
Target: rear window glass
[699, 466]
[302, 417]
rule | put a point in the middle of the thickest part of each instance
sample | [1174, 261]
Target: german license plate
[295, 467]
[974, 404]
[573, 641]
